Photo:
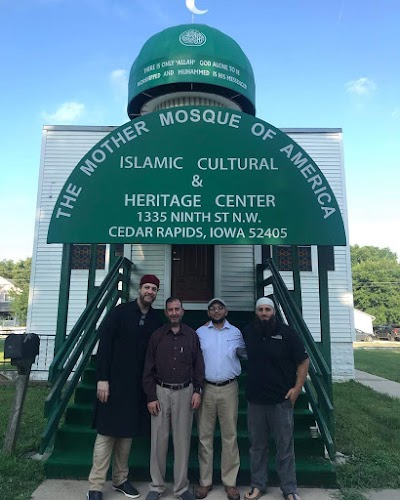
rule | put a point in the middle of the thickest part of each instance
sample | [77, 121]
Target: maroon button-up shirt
[173, 358]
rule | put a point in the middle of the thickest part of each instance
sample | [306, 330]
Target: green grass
[3, 365]
[20, 476]
[367, 426]
[382, 362]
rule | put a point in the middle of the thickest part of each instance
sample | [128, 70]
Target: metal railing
[74, 354]
[319, 383]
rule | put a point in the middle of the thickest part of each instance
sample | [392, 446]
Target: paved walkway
[73, 490]
[378, 384]
[62, 489]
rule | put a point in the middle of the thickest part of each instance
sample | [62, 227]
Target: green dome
[195, 58]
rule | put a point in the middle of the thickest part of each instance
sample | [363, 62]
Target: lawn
[3, 365]
[382, 362]
[20, 476]
[367, 425]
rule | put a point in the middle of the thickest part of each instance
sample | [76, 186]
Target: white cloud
[361, 87]
[119, 81]
[67, 113]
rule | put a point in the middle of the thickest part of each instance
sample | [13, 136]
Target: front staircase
[72, 454]
[73, 379]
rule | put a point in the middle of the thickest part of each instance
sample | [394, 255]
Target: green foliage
[376, 283]
[19, 273]
[361, 254]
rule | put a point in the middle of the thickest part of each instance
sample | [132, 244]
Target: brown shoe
[232, 493]
[202, 491]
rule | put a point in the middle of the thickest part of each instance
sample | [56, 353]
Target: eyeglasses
[216, 308]
[142, 318]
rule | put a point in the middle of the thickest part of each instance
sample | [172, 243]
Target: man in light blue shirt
[219, 342]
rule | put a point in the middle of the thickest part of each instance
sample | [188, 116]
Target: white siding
[236, 276]
[62, 148]
[149, 259]
[326, 151]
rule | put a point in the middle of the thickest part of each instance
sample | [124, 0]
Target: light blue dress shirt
[219, 349]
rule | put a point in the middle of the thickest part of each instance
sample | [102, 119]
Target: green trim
[324, 304]
[63, 297]
[91, 288]
[296, 277]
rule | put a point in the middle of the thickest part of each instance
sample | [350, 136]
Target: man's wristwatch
[199, 390]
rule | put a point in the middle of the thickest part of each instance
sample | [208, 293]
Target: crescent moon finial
[191, 5]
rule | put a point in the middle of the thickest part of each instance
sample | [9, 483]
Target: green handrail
[73, 356]
[318, 387]
[63, 353]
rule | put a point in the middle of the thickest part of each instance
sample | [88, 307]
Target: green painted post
[92, 272]
[323, 255]
[265, 255]
[296, 277]
[324, 304]
[259, 280]
[113, 257]
[63, 297]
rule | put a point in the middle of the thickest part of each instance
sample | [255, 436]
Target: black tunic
[120, 360]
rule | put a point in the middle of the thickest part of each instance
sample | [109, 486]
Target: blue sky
[317, 63]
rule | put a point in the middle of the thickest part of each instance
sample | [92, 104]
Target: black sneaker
[127, 489]
[94, 495]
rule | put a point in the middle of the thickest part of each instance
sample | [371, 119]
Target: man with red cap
[121, 412]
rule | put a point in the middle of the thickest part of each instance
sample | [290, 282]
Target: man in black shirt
[276, 371]
[120, 412]
[173, 380]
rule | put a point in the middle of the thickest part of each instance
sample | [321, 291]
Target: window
[285, 258]
[81, 257]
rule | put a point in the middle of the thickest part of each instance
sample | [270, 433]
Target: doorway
[192, 272]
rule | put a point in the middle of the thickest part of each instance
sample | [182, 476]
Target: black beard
[265, 327]
[217, 321]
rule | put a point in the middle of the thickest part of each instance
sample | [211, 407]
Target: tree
[376, 282]
[19, 273]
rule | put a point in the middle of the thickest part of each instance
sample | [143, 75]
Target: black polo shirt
[272, 363]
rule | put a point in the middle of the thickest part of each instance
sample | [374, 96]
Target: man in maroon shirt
[173, 379]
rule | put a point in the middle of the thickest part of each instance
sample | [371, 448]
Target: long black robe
[120, 360]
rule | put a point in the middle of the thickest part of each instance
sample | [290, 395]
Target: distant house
[363, 321]
[6, 317]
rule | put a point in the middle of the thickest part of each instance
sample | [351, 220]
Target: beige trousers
[222, 403]
[104, 446]
[176, 413]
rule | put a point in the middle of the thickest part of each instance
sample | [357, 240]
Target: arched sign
[197, 175]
